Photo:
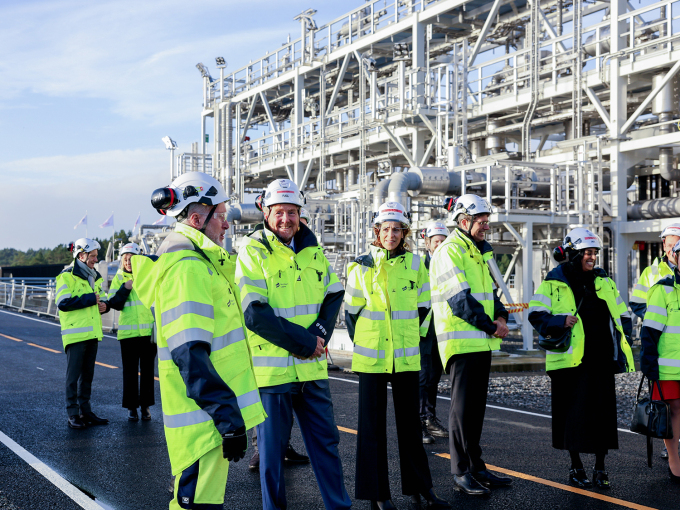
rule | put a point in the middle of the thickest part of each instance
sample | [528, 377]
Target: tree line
[60, 254]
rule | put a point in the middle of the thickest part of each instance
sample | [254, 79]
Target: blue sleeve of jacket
[324, 325]
[206, 387]
[117, 302]
[499, 309]
[627, 326]
[78, 303]
[639, 309]
[649, 354]
[547, 324]
[351, 322]
[465, 307]
[260, 319]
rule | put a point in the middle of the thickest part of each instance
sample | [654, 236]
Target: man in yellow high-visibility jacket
[291, 298]
[470, 322]
[81, 302]
[208, 388]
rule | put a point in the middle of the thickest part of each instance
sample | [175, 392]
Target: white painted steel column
[527, 283]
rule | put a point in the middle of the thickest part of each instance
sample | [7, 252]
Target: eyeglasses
[387, 230]
[222, 217]
[482, 223]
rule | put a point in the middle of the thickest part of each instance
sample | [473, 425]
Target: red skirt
[670, 390]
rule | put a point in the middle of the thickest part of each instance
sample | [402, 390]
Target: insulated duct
[667, 166]
[654, 209]
[244, 213]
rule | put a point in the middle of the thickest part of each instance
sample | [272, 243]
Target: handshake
[320, 350]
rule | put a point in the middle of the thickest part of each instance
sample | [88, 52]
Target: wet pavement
[125, 466]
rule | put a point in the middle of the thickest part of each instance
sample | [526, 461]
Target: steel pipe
[244, 213]
[654, 209]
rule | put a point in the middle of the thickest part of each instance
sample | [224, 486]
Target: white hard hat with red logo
[282, 191]
[188, 188]
[391, 211]
[581, 239]
[471, 205]
[436, 228]
[85, 245]
[131, 248]
[671, 230]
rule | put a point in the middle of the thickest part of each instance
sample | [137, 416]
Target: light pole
[171, 145]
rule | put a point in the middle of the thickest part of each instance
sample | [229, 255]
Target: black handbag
[560, 343]
[651, 418]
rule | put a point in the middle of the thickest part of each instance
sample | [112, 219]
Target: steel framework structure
[561, 113]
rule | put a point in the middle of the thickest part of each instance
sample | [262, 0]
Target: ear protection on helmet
[258, 203]
[423, 233]
[561, 253]
[163, 199]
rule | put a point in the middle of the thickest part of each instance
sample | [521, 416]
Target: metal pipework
[244, 213]
[495, 143]
[654, 209]
[667, 167]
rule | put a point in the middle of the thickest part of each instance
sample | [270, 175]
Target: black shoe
[171, 487]
[427, 437]
[467, 484]
[146, 414]
[132, 415]
[294, 457]
[601, 479]
[674, 479]
[432, 502]
[436, 428]
[254, 464]
[578, 478]
[92, 419]
[664, 453]
[383, 505]
[488, 479]
[76, 423]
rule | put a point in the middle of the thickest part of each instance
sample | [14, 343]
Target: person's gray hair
[184, 216]
[462, 217]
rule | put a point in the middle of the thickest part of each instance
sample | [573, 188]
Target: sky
[88, 89]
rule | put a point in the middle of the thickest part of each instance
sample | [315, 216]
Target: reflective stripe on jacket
[289, 298]
[463, 298]
[652, 274]
[660, 334]
[204, 365]
[135, 319]
[77, 302]
[554, 299]
[384, 300]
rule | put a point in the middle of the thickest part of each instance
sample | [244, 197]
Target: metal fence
[40, 300]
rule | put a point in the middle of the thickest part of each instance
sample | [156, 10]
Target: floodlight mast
[221, 65]
[171, 145]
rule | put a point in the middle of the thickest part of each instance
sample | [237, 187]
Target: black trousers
[430, 375]
[469, 389]
[372, 479]
[138, 355]
[80, 358]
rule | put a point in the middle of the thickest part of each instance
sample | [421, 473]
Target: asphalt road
[125, 465]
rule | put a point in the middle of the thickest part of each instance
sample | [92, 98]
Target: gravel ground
[533, 392]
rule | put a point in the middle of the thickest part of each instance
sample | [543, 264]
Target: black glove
[234, 445]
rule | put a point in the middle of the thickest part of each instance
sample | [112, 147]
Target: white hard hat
[471, 205]
[188, 188]
[131, 248]
[436, 228]
[84, 245]
[282, 191]
[391, 211]
[582, 239]
[304, 214]
[671, 230]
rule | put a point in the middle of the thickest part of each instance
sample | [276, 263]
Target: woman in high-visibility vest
[580, 297]
[660, 355]
[386, 298]
[137, 349]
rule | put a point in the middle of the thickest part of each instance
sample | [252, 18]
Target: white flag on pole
[107, 223]
[163, 220]
[137, 222]
[81, 222]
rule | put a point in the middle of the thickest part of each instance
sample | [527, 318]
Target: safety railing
[40, 300]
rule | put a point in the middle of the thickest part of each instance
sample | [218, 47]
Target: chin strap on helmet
[207, 219]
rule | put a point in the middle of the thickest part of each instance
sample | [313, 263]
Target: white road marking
[40, 368]
[44, 322]
[67, 488]
[487, 405]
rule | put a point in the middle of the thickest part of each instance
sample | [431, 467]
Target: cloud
[135, 54]
[53, 193]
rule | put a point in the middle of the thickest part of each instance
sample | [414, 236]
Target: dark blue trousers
[311, 403]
